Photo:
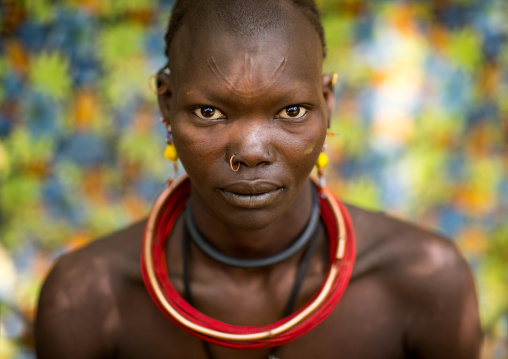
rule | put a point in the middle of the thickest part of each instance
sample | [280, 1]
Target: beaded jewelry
[170, 151]
[334, 78]
[298, 244]
[321, 163]
[166, 210]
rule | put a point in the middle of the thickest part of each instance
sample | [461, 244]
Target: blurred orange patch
[489, 80]
[78, 240]
[438, 38]
[93, 6]
[85, 109]
[17, 56]
[475, 201]
[473, 240]
[93, 186]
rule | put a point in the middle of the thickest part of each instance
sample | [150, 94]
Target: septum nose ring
[231, 164]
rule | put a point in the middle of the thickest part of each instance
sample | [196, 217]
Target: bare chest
[367, 323]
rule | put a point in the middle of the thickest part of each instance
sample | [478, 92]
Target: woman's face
[260, 99]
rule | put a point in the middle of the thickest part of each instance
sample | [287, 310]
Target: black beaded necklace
[209, 250]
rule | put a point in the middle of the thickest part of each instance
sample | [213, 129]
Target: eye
[292, 112]
[208, 113]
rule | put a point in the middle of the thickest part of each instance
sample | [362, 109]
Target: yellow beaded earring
[322, 160]
[170, 151]
[333, 80]
[321, 163]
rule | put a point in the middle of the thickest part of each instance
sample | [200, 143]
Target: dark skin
[411, 294]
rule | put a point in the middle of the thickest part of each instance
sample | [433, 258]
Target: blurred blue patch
[55, 196]
[149, 188]
[33, 36]
[13, 86]
[40, 113]
[84, 149]
[451, 221]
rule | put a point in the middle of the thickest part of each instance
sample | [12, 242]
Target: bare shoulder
[77, 313]
[91, 268]
[427, 278]
[392, 247]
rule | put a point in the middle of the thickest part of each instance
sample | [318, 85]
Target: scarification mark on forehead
[243, 83]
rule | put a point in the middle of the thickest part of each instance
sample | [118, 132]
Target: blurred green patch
[41, 11]
[49, 74]
[465, 49]
[493, 279]
[113, 40]
[125, 76]
[362, 192]
[5, 162]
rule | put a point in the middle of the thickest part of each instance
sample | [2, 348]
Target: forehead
[290, 48]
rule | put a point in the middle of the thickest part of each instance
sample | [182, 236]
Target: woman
[248, 258]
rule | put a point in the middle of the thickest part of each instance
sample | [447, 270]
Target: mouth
[251, 194]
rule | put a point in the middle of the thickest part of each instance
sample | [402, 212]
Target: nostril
[236, 163]
[250, 152]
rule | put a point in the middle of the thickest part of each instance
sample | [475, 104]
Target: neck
[233, 240]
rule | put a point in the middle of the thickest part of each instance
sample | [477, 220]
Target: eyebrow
[223, 99]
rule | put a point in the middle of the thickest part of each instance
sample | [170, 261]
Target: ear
[164, 94]
[329, 81]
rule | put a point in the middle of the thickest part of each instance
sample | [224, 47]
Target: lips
[251, 194]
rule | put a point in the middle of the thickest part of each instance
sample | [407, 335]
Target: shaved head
[240, 17]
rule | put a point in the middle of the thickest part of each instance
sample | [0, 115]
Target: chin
[251, 219]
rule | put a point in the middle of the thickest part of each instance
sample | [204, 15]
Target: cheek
[302, 150]
[202, 151]
[310, 148]
[198, 150]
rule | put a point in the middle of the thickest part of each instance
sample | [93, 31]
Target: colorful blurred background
[422, 123]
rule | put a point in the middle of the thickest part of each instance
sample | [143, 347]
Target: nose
[251, 144]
